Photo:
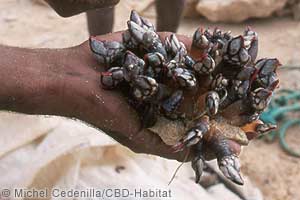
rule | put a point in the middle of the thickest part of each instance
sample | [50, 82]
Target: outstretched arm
[65, 82]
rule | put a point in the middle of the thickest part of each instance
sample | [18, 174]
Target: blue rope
[284, 102]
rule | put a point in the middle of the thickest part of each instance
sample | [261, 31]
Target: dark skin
[65, 82]
[169, 12]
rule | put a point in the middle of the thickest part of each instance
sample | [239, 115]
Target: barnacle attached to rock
[209, 101]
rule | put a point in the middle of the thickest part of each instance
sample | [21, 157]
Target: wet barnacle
[161, 75]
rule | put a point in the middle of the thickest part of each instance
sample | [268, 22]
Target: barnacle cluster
[220, 72]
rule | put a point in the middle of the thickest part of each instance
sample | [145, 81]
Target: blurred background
[44, 151]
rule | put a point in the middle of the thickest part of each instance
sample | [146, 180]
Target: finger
[148, 142]
[153, 144]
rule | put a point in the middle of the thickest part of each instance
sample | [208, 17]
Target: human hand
[66, 82]
[109, 110]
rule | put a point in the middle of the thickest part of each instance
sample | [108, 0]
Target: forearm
[29, 81]
[59, 82]
[65, 82]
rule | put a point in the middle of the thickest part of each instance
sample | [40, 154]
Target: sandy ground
[276, 174]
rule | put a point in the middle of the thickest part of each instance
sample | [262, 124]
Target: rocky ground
[275, 173]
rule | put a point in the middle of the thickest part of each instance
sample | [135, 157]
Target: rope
[285, 101]
[282, 133]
